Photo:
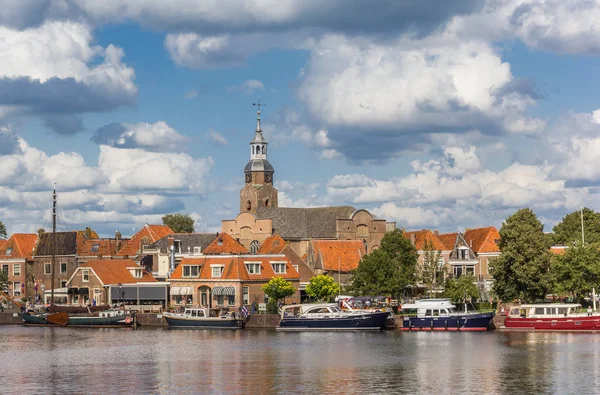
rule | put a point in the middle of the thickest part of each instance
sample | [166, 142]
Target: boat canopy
[547, 305]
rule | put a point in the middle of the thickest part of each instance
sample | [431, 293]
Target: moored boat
[441, 315]
[551, 317]
[104, 319]
[203, 318]
[329, 317]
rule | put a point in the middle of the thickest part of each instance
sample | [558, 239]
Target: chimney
[436, 232]
[413, 238]
[471, 243]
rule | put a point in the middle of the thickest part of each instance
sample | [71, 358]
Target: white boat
[441, 315]
[200, 317]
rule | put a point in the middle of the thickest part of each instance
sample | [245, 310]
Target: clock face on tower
[268, 177]
[248, 178]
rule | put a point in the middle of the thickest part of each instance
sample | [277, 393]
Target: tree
[461, 288]
[388, 270]
[3, 233]
[523, 269]
[278, 289]
[322, 287]
[578, 270]
[3, 280]
[431, 273]
[179, 223]
[569, 229]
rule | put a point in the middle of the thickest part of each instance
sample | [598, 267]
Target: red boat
[566, 317]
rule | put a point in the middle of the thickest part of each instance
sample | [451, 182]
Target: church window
[362, 230]
[254, 246]
[267, 203]
[252, 150]
[248, 205]
[257, 150]
[246, 233]
[264, 149]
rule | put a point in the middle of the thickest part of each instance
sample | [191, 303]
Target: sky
[433, 114]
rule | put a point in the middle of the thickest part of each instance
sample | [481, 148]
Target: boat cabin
[552, 310]
[202, 312]
[429, 308]
[310, 310]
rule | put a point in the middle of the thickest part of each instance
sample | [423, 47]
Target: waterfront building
[336, 258]
[15, 254]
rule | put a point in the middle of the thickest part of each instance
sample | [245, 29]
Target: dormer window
[217, 271]
[9, 251]
[95, 247]
[253, 267]
[138, 273]
[177, 245]
[279, 267]
[191, 271]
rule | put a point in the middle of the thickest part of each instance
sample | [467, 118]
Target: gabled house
[15, 254]
[422, 238]
[144, 237]
[157, 256]
[100, 248]
[336, 258]
[229, 280]
[93, 281]
[462, 258]
[225, 244]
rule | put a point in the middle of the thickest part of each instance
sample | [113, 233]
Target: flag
[245, 311]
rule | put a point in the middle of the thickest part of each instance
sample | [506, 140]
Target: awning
[181, 291]
[72, 291]
[225, 291]
[84, 291]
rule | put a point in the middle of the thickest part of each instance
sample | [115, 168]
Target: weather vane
[258, 104]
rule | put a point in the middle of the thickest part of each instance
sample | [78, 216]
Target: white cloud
[248, 87]
[191, 94]
[157, 136]
[216, 137]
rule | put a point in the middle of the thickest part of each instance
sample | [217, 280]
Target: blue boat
[441, 315]
[329, 317]
[203, 318]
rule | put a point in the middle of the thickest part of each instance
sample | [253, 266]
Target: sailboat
[108, 318]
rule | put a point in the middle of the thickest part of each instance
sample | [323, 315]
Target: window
[428, 313]
[5, 269]
[177, 245]
[95, 247]
[63, 284]
[279, 268]
[191, 271]
[9, 251]
[366, 245]
[16, 288]
[254, 246]
[85, 276]
[217, 271]
[246, 233]
[470, 270]
[248, 203]
[220, 300]
[63, 267]
[230, 300]
[178, 299]
[138, 273]
[457, 271]
[246, 295]
[441, 261]
[463, 254]
[362, 230]
[17, 269]
[47, 268]
[253, 268]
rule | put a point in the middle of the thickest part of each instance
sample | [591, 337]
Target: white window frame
[61, 267]
[253, 265]
[16, 288]
[245, 295]
[296, 268]
[63, 283]
[221, 270]
[17, 269]
[276, 264]
[138, 273]
[85, 276]
[47, 268]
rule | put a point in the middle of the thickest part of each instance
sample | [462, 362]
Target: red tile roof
[272, 245]
[2, 242]
[105, 247]
[224, 244]
[448, 239]
[421, 236]
[338, 255]
[152, 233]
[114, 271]
[482, 240]
[558, 250]
[22, 245]
[235, 268]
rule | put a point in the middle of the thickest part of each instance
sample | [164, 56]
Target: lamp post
[43, 287]
[121, 294]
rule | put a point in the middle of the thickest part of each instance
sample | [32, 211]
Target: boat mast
[53, 244]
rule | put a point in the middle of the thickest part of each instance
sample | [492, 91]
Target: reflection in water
[157, 361]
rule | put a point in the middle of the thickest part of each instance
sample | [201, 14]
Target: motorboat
[329, 317]
[441, 315]
[204, 318]
[551, 317]
[103, 319]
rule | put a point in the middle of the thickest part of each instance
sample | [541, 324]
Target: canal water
[162, 361]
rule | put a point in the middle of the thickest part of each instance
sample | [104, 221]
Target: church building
[261, 217]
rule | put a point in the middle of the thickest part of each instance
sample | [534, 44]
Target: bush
[272, 307]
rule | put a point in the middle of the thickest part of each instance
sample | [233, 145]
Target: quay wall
[10, 318]
[263, 321]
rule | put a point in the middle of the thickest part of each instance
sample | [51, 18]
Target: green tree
[179, 223]
[569, 229]
[278, 289]
[3, 233]
[523, 269]
[431, 273]
[3, 280]
[461, 288]
[388, 270]
[577, 271]
[322, 287]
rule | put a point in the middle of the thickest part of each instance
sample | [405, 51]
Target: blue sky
[434, 117]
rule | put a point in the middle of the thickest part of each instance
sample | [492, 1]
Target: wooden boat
[551, 317]
[329, 317]
[104, 319]
[203, 318]
[441, 315]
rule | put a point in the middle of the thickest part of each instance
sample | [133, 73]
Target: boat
[329, 317]
[104, 319]
[204, 318]
[441, 315]
[551, 317]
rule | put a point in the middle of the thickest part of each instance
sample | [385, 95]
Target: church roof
[258, 165]
[304, 223]
[259, 138]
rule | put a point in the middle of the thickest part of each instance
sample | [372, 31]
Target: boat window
[409, 311]
[436, 313]
[428, 313]
[335, 309]
[201, 313]
[540, 310]
[514, 312]
[562, 310]
[318, 310]
[194, 313]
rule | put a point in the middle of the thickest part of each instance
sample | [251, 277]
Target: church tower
[258, 190]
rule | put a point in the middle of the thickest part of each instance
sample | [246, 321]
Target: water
[162, 361]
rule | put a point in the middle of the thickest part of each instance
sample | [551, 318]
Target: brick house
[15, 254]
[335, 258]
[144, 237]
[99, 248]
[229, 280]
